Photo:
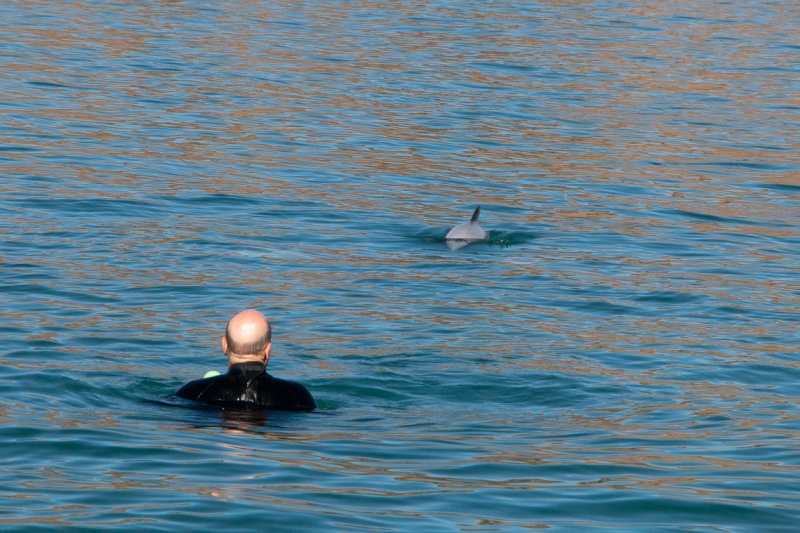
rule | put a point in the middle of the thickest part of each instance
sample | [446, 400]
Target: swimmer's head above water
[248, 338]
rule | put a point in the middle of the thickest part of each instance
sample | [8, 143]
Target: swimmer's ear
[224, 345]
[266, 352]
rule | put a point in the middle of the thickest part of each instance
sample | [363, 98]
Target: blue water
[621, 355]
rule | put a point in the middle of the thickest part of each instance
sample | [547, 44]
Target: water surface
[620, 355]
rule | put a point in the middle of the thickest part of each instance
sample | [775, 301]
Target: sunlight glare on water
[621, 354]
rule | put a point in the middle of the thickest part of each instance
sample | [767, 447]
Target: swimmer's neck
[235, 359]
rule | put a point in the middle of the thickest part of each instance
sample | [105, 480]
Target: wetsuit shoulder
[200, 388]
[276, 393]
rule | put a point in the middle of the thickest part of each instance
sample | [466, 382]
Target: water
[621, 354]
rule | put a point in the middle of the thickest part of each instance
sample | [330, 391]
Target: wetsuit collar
[250, 367]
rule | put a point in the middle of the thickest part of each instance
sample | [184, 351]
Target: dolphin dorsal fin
[475, 215]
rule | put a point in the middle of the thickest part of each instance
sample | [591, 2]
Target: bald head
[247, 337]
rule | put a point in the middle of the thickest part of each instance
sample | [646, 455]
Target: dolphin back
[468, 231]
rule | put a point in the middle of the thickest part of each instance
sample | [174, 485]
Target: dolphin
[465, 233]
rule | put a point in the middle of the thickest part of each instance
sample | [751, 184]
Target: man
[247, 343]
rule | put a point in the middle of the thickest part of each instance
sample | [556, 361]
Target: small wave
[509, 238]
[783, 187]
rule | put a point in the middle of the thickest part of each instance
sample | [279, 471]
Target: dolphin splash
[465, 233]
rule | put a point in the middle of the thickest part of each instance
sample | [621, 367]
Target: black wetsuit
[247, 385]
